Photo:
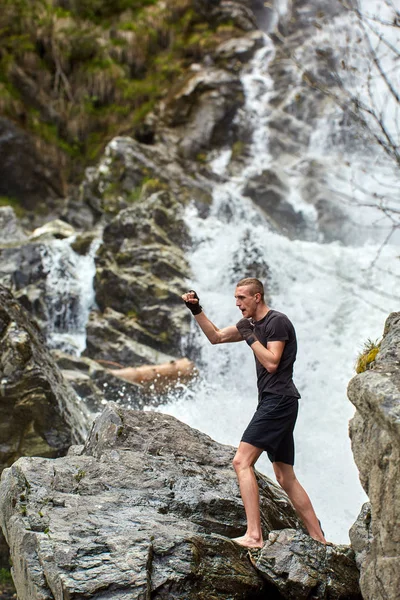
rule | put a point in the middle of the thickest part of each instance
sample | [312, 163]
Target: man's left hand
[245, 328]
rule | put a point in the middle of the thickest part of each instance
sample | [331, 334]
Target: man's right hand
[192, 301]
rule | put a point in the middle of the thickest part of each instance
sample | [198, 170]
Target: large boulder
[40, 413]
[375, 437]
[302, 568]
[200, 109]
[145, 508]
[141, 273]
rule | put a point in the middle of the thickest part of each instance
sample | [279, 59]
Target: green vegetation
[238, 149]
[75, 73]
[80, 475]
[5, 576]
[367, 356]
[7, 201]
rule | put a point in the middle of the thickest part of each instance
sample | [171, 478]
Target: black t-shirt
[276, 326]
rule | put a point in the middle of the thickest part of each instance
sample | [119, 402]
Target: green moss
[237, 149]
[367, 356]
[80, 475]
[201, 157]
[164, 337]
[14, 203]
[152, 185]
[93, 81]
[5, 576]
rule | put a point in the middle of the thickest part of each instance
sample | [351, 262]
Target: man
[272, 338]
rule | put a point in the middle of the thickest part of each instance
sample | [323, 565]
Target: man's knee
[284, 475]
[241, 462]
[238, 462]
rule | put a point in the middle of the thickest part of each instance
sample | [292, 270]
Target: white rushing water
[69, 293]
[336, 296]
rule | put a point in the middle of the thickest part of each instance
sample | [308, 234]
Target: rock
[10, 229]
[360, 535]
[40, 414]
[111, 336]
[375, 437]
[83, 243]
[200, 109]
[53, 229]
[302, 568]
[96, 384]
[24, 175]
[269, 192]
[238, 12]
[141, 272]
[145, 510]
[240, 49]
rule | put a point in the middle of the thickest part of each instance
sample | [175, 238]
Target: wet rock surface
[141, 272]
[40, 414]
[375, 437]
[143, 509]
[10, 228]
[302, 568]
[146, 508]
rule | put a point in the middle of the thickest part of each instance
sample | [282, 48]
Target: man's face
[246, 301]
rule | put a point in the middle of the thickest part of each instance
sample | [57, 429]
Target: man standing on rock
[272, 338]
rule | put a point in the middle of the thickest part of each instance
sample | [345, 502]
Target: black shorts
[272, 425]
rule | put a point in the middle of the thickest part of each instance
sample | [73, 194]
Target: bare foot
[248, 542]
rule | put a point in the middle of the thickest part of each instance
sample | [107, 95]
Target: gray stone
[200, 108]
[360, 535]
[10, 228]
[53, 229]
[141, 273]
[146, 508]
[302, 568]
[269, 191]
[40, 413]
[241, 49]
[375, 437]
[24, 175]
[111, 336]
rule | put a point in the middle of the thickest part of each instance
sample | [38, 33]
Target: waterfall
[69, 293]
[337, 296]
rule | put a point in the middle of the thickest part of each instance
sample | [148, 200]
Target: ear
[258, 297]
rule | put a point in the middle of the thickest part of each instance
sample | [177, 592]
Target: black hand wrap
[246, 330]
[194, 307]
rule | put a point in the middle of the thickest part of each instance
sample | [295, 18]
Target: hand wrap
[246, 330]
[194, 307]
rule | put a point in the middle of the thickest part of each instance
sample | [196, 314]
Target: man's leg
[243, 463]
[299, 498]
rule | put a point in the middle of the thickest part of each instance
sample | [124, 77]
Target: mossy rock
[367, 357]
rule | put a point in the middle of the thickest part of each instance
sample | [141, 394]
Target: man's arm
[269, 356]
[215, 335]
[211, 331]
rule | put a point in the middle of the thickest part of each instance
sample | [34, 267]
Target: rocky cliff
[375, 436]
[146, 509]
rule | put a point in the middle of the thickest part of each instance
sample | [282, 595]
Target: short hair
[256, 285]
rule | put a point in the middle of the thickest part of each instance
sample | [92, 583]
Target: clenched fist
[192, 301]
